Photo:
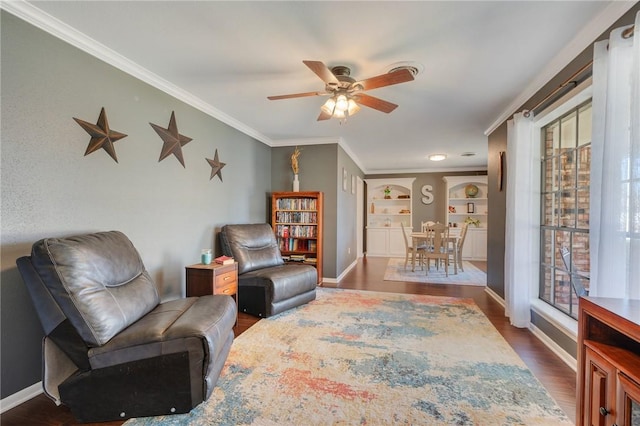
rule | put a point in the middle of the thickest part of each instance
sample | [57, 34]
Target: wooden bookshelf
[296, 218]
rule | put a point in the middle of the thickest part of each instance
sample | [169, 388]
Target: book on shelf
[297, 258]
[224, 260]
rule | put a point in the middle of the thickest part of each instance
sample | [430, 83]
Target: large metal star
[216, 166]
[173, 141]
[101, 135]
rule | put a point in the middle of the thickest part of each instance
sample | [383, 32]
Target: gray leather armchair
[111, 350]
[266, 284]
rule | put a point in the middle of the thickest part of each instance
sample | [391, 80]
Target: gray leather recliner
[266, 284]
[111, 350]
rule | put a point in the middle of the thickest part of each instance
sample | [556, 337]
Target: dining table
[418, 237]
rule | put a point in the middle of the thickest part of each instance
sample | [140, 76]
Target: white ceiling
[479, 60]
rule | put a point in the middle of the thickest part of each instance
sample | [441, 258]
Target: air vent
[414, 67]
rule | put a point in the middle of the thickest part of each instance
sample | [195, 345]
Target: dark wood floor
[556, 377]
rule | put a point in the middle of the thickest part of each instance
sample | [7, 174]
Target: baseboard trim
[555, 348]
[21, 396]
[540, 335]
[495, 296]
[342, 275]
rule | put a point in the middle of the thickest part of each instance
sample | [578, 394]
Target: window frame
[579, 95]
[567, 224]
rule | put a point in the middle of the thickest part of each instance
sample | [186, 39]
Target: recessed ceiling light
[437, 157]
[467, 154]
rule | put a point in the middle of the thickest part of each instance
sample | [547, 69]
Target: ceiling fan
[347, 93]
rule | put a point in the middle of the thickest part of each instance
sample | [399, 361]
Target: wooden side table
[203, 280]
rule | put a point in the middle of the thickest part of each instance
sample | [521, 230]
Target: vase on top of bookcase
[296, 183]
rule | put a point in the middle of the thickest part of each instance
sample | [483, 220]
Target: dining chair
[438, 246]
[420, 249]
[459, 244]
[425, 225]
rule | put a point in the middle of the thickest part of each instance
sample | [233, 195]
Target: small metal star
[173, 141]
[216, 166]
[101, 135]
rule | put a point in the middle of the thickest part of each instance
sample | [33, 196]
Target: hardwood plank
[555, 375]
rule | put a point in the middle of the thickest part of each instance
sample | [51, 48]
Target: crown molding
[36, 17]
[305, 141]
[322, 141]
[425, 170]
[581, 41]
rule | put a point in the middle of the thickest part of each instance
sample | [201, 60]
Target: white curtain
[615, 167]
[520, 231]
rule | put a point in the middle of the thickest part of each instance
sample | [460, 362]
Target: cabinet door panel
[628, 401]
[600, 379]
[396, 243]
[377, 241]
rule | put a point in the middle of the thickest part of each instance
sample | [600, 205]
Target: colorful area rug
[471, 276]
[369, 358]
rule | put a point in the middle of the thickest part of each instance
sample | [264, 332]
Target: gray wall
[346, 221]
[49, 188]
[497, 212]
[321, 170]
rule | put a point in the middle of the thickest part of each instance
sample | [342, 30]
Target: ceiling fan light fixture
[342, 103]
[353, 107]
[329, 106]
[437, 157]
[340, 107]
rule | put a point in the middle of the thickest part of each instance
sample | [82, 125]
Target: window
[564, 201]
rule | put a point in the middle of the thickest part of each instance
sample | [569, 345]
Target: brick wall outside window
[566, 162]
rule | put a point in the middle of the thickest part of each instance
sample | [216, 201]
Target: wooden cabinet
[464, 202]
[475, 245]
[296, 218]
[608, 362]
[203, 280]
[388, 206]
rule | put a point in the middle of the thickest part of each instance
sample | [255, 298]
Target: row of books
[296, 217]
[294, 244]
[296, 204]
[300, 258]
[299, 231]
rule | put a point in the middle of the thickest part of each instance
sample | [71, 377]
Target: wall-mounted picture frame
[500, 170]
[353, 184]
[471, 208]
[344, 179]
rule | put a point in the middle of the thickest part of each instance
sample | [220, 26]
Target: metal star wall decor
[173, 141]
[101, 135]
[216, 166]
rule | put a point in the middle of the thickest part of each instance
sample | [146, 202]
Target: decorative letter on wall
[173, 141]
[428, 196]
[101, 135]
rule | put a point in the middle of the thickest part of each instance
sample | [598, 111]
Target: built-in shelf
[475, 246]
[386, 216]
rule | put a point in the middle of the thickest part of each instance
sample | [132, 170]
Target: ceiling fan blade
[395, 77]
[296, 95]
[375, 103]
[322, 71]
[323, 116]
